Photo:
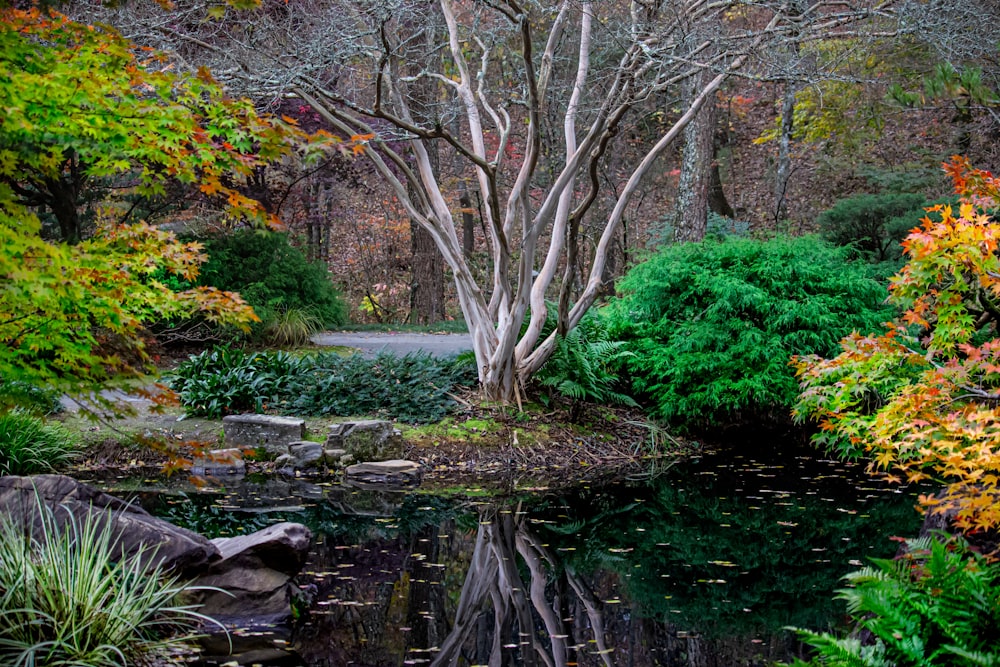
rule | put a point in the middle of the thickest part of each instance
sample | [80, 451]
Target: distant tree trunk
[692, 205]
[426, 262]
[717, 201]
[426, 278]
[784, 167]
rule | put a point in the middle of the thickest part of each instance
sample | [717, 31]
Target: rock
[337, 458]
[306, 454]
[135, 531]
[255, 576]
[273, 434]
[385, 472]
[220, 462]
[282, 547]
[367, 440]
[255, 571]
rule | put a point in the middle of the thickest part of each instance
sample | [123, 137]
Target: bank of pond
[705, 561]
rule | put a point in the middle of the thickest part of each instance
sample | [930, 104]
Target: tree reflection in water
[494, 578]
[701, 567]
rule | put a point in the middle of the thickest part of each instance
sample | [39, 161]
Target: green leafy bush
[874, 225]
[271, 275]
[580, 368]
[712, 325]
[30, 444]
[65, 601]
[412, 388]
[939, 604]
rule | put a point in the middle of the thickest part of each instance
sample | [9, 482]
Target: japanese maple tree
[923, 399]
[82, 103]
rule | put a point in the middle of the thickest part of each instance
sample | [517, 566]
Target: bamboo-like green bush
[30, 444]
[68, 599]
[712, 326]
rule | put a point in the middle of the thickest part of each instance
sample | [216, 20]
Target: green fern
[580, 368]
[937, 605]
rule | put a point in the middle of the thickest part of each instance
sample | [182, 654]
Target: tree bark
[691, 208]
[784, 166]
[426, 262]
[426, 278]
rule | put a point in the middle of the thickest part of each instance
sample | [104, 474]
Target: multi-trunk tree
[528, 96]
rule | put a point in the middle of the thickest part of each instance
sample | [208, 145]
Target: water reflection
[702, 566]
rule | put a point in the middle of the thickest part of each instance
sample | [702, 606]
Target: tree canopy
[923, 399]
[84, 106]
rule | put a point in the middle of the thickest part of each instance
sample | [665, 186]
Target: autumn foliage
[86, 111]
[923, 399]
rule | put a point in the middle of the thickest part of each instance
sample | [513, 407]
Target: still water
[701, 563]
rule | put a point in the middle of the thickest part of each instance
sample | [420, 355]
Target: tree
[538, 89]
[923, 399]
[83, 104]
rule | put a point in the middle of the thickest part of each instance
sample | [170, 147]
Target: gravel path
[370, 343]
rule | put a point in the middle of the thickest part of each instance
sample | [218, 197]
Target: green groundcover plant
[31, 444]
[937, 605]
[711, 326]
[68, 599]
[412, 388]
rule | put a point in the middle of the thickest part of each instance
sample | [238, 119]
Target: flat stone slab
[220, 462]
[396, 471]
[273, 434]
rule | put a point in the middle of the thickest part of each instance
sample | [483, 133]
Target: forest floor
[483, 446]
[502, 447]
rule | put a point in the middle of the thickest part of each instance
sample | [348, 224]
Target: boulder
[366, 440]
[255, 575]
[306, 454]
[135, 530]
[254, 571]
[219, 462]
[273, 434]
[393, 472]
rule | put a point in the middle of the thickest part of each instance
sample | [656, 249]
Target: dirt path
[370, 343]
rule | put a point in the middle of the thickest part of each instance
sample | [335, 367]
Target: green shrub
[712, 325]
[874, 225]
[580, 368]
[65, 602]
[412, 388]
[29, 444]
[937, 605]
[271, 275]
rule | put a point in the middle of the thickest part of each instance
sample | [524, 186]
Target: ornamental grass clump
[69, 599]
[30, 444]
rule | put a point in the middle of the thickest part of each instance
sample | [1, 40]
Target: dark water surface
[701, 564]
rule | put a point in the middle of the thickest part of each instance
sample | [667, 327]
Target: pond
[701, 563]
